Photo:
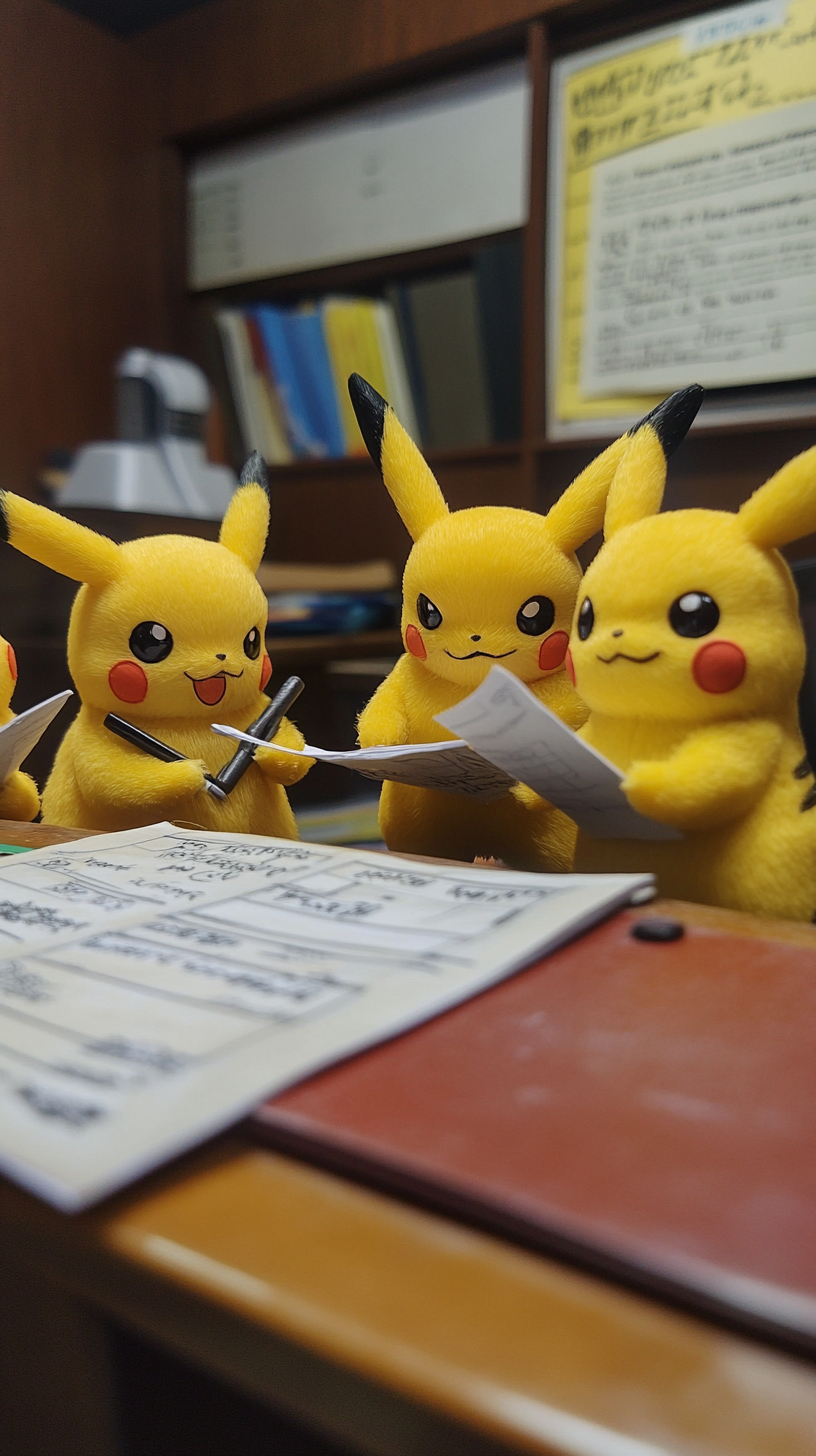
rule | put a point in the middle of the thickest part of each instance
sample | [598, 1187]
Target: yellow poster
[696, 75]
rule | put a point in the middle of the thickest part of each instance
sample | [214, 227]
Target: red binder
[647, 1110]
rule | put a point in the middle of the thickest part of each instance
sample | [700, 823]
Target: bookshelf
[293, 651]
[334, 505]
[97, 252]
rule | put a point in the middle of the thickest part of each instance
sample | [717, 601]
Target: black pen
[264, 727]
[156, 748]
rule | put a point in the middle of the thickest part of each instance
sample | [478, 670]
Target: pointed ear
[637, 488]
[65, 546]
[784, 508]
[245, 526]
[579, 512]
[407, 475]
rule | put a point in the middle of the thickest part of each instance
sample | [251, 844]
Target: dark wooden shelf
[512, 452]
[314, 468]
[699, 430]
[365, 275]
[292, 651]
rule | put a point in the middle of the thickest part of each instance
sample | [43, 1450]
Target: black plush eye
[429, 615]
[252, 643]
[535, 616]
[150, 642]
[586, 619]
[694, 614]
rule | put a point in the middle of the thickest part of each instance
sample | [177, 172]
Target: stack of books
[444, 351]
[329, 600]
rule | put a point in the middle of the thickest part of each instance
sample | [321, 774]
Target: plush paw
[527, 797]
[282, 768]
[185, 778]
[19, 798]
[649, 788]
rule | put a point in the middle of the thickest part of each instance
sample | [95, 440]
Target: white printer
[158, 463]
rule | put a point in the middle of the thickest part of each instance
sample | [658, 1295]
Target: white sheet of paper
[21, 734]
[204, 972]
[506, 723]
[453, 767]
[702, 258]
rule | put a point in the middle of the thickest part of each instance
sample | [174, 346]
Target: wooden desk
[385, 1329]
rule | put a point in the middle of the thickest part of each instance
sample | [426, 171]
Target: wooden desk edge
[135, 1231]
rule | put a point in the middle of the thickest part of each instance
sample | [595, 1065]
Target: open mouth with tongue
[210, 690]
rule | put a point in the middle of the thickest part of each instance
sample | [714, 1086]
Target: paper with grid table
[157, 984]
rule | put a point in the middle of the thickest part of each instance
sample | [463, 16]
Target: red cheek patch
[12, 661]
[552, 651]
[266, 671]
[719, 667]
[128, 682]
[570, 666]
[414, 642]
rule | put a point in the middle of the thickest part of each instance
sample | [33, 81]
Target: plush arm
[19, 798]
[715, 775]
[116, 774]
[284, 768]
[384, 719]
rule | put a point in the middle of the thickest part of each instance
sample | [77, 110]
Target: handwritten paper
[702, 259]
[21, 734]
[194, 975]
[506, 723]
[453, 767]
[622, 101]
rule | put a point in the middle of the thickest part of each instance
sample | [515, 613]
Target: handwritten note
[622, 101]
[199, 974]
[702, 259]
[508, 725]
[453, 767]
[21, 734]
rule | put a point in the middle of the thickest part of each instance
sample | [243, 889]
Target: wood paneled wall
[82, 248]
[236, 60]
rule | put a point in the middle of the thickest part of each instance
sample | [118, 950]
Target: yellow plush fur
[19, 798]
[724, 763]
[205, 595]
[478, 568]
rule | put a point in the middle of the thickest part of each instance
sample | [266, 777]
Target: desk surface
[397, 1330]
[647, 1110]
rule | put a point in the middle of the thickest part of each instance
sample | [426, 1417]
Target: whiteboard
[441, 163]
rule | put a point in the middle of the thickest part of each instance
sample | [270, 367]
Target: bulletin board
[682, 213]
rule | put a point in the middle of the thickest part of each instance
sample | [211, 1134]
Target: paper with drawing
[454, 767]
[157, 984]
[506, 723]
[21, 734]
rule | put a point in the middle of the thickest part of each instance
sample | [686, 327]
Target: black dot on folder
[658, 928]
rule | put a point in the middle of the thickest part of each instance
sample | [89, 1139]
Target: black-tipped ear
[5, 530]
[671, 419]
[254, 472]
[370, 408]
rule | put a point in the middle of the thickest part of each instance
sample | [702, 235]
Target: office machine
[158, 463]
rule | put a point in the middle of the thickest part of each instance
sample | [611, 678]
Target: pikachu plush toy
[19, 798]
[688, 650]
[163, 631]
[490, 584]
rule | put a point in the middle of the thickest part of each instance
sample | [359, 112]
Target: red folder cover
[647, 1110]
